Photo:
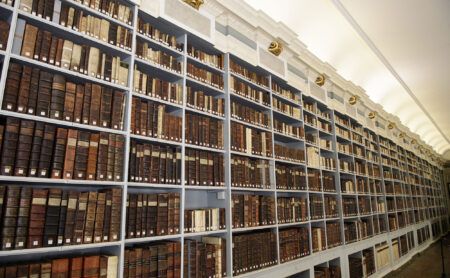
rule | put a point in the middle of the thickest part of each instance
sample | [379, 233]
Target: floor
[427, 264]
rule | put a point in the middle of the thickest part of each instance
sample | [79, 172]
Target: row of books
[294, 243]
[350, 232]
[96, 27]
[288, 129]
[289, 153]
[285, 108]
[204, 131]
[205, 257]
[331, 271]
[204, 168]
[251, 141]
[243, 71]
[161, 58]
[201, 220]
[42, 45]
[315, 206]
[249, 172]
[40, 217]
[149, 85]
[161, 259]
[83, 266]
[290, 177]
[331, 206]
[292, 209]
[36, 149]
[37, 92]
[152, 214]
[333, 234]
[242, 89]
[349, 206]
[205, 76]
[152, 163]
[250, 115]
[252, 210]
[199, 100]
[152, 119]
[285, 93]
[148, 30]
[314, 180]
[214, 60]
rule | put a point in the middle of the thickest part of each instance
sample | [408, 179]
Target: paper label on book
[20, 243]
[8, 245]
[39, 201]
[60, 241]
[82, 206]
[67, 240]
[114, 237]
[35, 243]
[50, 241]
[78, 239]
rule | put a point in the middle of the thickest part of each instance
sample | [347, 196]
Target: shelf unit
[418, 202]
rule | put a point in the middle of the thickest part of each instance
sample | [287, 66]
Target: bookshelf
[321, 158]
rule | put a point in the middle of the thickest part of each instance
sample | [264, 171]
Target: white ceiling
[398, 51]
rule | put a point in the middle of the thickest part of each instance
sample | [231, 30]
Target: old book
[66, 54]
[94, 112]
[81, 156]
[24, 147]
[26, 5]
[118, 157]
[12, 87]
[24, 90]
[38, 43]
[86, 103]
[36, 149]
[44, 95]
[11, 213]
[99, 217]
[37, 218]
[58, 97]
[10, 141]
[33, 93]
[69, 102]
[92, 156]
[118, 108]
[91, 266]
[45, 46]
[29, 41]
[69, 162]
[78, 110]
[105, 107]
[60, 267]
[46, 153]
[102, 158]
[90, 218]
[59, 52]
[76, 267]
[94, 59]
[107, 216]
[80, 218]
[70, 221]
[116, 206]
[75, 60]
[62, 217]
[59, 153]
[18, 36]
[52, 217]
[53, 50]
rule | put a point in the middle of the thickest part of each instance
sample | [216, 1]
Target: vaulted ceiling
[398, 51]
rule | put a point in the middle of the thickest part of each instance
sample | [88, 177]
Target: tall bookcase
[415, 202]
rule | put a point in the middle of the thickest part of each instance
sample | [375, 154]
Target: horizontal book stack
[152, 214]
[204, 131]
[150, 31]
[99, 28]
[83, 266]
[318, 239]
[204, 168]
[4, 33]
[349, 206]
[285, 108]
[214, 60]
[350, 232]
[333, 234]
[250, 172]
[201, 220]
[327, 272]
[244, 72]
[331, 206]
[314, 181]
[251, 141]
[152, 119]
[316, 207]
[289, 154]
[42, 45]
[242, 89]
[161, 259]
[288, 129]
[205, 76]
[292, 209]
[145, 52]
[205, 257]
[250, 115]
[36, 92]
[155, 87]
[294, 243]
[35, 149]
[290, 177]
[253, 251]
[199, 100]
[252, 210]
[40, 217]
[355, 267]
[328, 182]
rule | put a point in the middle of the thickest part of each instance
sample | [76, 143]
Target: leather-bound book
[131, 215]
[9, 219]
[69, 227]
[60, 267]
[78, 110]
[24, 146]
[119, 157]
[76, 267]
[105, 107]
[75, 60]
[94, 112]
[35, 270]
[52, 217]
[45, 46]
[108, 68]
[91, 266]
[29, 41]
[162, 260]
[58, 97]
[86, 103]
[36, 149]
[46, 269]
[116, 208]
[162, 224]
[45, 158]
[132, 162]
[33, 93]
[110, 161]
[92, 156]
[53, 51]
[44, 95]
[37, 218]
[24, 90]
[10, 140]
[59, 52]
[2, 200]
[90, 218]
[155, 164]
[69, 161]
[118, 110]
[66, 54]
[80, 218]
[107, 216]
[11, 271]
[62, 217]
[81, 156]
[4, 33]
[12, 86]
[99, 217]
[94, 59]
[59, 153]
[38, 44]
[69, 102]
[22, 270]
[102, 158]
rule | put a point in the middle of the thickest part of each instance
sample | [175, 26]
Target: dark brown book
[86, 103]
[23, 218]
[37, 218]
[69, 227]
[111, 153]
[92, 156]
[9, 219]
[69, 161]
[116, 206]
[102, 158]
[36, 149]
[118, 157]
[58, 97]
[62, 217]
[33, 93]
[53, 50]
[81, 156]
[44, 95]
[52, 217]
[69, 101]
[80, 218]
[10, 141]
[105, 107]
[118, 110]
[99, 217]
[107, 216]
[78, 110]
[45, 46]
[24, 90]
[45, 158]
[94, 111]
[24, 146]
[4, 33]
[163, 215]
[60, 267]
[76, 267]
[12, 86]
[90, 218]
[59, 153]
